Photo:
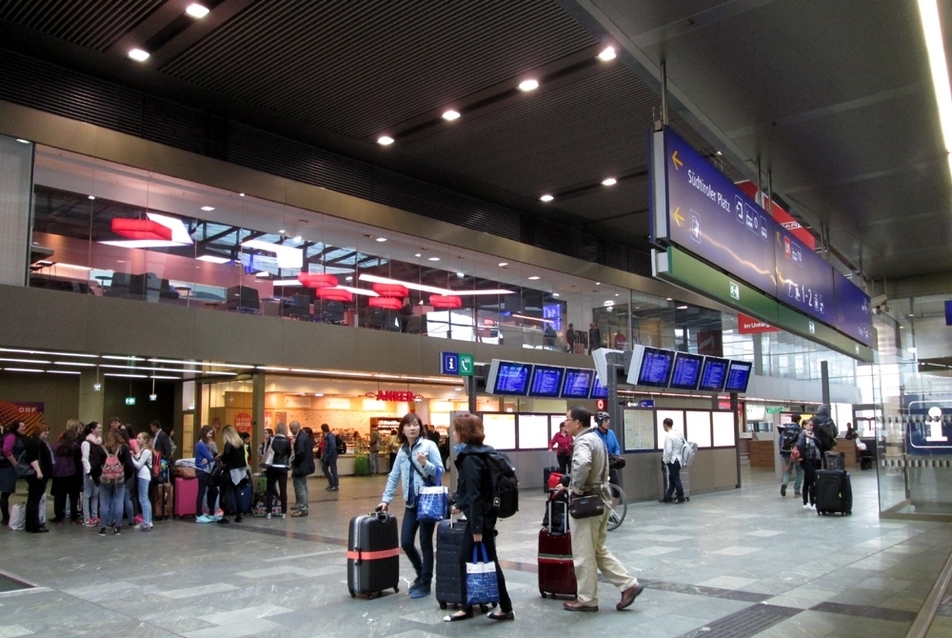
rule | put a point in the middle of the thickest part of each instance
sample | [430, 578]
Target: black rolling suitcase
[449, 573]
[834, 493]
[834, 461]
[373, 554]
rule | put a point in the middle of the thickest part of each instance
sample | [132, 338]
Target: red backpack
[112, 469]
[156, 465]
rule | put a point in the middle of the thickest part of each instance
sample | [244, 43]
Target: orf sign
[243, 422]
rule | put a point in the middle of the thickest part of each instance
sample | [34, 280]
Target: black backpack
[824, 431]
[505, 485]
[341, 444]
[788, 438]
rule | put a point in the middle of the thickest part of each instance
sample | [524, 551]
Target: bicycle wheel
[619, 506]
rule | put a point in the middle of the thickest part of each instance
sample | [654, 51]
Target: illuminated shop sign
[394, 395]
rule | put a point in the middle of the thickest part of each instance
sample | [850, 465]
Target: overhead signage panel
[804, 279]
[714, 219]
[853, 312]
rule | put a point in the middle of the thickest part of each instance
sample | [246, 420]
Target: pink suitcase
[185, 492]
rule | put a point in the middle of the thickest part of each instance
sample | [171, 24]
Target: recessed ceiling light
[534, 278]
[684, 307]
[555, 294]
[528, 85]
[598, 283]
[547, 198]
[608, 53]
[718, 153]
[281, 232]
[434, 259]
[611, 181]
[460, 274]
[503, 264]
[208, 209]
[23, 141]
[451, 115]
[381, 239]
[91, 197]
[349, 278]
[608, 303]
[385, 140]
[196, 11]
[138, 55]
[241, 194]
[417, 255]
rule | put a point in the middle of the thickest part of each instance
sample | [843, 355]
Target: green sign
[130, 400]
[466, 366]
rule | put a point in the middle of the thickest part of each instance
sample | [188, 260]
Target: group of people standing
[112, 471]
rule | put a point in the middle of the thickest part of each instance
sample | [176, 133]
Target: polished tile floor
[734, 564]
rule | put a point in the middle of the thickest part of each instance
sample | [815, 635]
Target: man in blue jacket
[603, 429]
[329, 457]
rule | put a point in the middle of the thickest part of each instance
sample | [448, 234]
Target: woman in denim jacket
[418, 457]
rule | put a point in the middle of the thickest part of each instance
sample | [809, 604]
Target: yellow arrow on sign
[677, 163]
[678, 217]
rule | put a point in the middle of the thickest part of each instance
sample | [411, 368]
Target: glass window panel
[533, 431]
[723, 425]
[677, 416]
[698, 427]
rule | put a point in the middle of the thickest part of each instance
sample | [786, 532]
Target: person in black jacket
[302, 466]
[234, 472]
[40, 457]
[810, 460]
[329, 458]
[277, 471]
[473, 497]
[161, 442]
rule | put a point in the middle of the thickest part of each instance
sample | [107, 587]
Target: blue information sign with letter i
[449, 363]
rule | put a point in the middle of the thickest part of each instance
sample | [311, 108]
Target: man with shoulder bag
[587, 486]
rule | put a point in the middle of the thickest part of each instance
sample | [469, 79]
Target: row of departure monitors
[543, 381]
[658, 368]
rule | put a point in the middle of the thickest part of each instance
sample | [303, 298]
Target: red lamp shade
[395, 291]
[141, 229]
[387, 303]
[334, 294]
[446, 302]
[317, 280]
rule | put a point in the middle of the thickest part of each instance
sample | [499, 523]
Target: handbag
[586, 505]
[482, 588]
[215, 477]
[616, 461]
[24, 469]
[431, 500]
[268, 459]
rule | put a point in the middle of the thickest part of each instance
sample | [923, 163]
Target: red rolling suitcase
[185, 493]
[556, 569]
[373, 555]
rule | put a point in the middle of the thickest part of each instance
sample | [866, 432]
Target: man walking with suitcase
[589, 476]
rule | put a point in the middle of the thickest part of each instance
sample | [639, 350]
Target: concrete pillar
[91, 400]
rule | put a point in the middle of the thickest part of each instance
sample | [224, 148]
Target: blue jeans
[204, 489]
[144, 501]
[798, 481]
[330, 471]
[90, 497]
[423, 565]
[111, 496]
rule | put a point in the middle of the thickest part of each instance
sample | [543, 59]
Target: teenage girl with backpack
[112, 482]
[810, 460]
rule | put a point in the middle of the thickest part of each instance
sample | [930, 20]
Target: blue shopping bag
[482, 588]
[431, 501]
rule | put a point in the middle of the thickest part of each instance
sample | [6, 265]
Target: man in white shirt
[673, 442]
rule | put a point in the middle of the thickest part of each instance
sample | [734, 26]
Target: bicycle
[618, 507]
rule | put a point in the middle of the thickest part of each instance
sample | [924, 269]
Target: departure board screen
[546, 381]
[713, 374]
[655, 367]
[687, 371]
[508, 377]
[738, 376]
[577, 383]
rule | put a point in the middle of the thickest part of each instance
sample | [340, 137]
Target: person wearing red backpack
[112, 482]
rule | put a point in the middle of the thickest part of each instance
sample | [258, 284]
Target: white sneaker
[267, 516]
[806, 506]
[812, 506]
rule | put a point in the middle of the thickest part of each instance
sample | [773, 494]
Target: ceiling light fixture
[528, 85]
[23, 141]
[503, 264]
[91, 197]
[385, 140]
[610, 181]
[534, 278]
[208, 209]
[381, 239]
[932, 31]
[433, 259]
[547, 198]
[213, 259]
[197, 11]
[138, 55]
[451, 115]
[608, 53]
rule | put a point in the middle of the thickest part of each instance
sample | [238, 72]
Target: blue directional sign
[714, 219]
[853, 310]
[449, 362]
[646, 403]
[804, 279]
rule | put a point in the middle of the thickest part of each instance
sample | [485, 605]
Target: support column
[16, 197]
[91, 401]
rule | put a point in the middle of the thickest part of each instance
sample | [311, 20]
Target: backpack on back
[688, 452]
[824, 431]
[505, 492]
[341, 444]
[112, 470]
[788, 438]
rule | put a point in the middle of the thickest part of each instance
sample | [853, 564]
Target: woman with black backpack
[810, 458]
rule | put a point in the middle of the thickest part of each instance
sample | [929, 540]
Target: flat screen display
[577, 383]
[713, 374]
[599, 391]
[853, 312]
[546, 381]
[738, 376]
[687, 371]
[655, 367]
[508, 377]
